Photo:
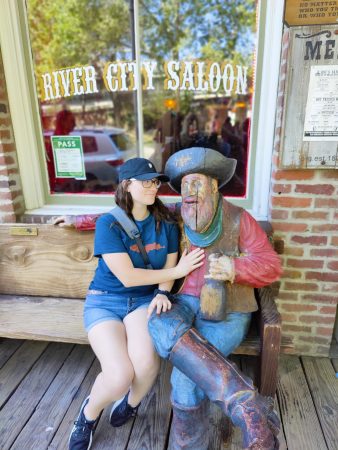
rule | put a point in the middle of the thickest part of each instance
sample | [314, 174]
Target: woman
[123, 294]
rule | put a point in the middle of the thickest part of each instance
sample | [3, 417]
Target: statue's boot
[225, 385]
[190, 427]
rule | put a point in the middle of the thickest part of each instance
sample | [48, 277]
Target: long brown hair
[160, 212]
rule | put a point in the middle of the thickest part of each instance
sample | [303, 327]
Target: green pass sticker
[68, 157]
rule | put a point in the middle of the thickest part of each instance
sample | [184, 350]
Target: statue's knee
[165, 330]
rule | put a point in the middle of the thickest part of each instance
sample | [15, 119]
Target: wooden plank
[61, 437]
[151, 426]
[107, 437]
[42, 318]
[324, 389]
[7, 348]
[40, 429]
[29, 393]
[301, 424]
[252, 346]
[36, 265]
[18, 366]
[250, 367]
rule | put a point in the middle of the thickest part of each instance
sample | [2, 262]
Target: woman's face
[142, 195]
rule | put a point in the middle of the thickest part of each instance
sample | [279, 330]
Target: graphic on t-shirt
[148, 247]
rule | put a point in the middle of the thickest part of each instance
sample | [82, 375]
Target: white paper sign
[321, 116]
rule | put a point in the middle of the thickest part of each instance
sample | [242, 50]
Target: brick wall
[304, 206]
[11, 198]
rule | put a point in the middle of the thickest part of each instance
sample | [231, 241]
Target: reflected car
[104, 151]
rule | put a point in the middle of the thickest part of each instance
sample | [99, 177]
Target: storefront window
[72, 43]
[197, 70]
[204, 55]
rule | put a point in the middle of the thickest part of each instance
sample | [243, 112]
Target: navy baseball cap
[140, 169]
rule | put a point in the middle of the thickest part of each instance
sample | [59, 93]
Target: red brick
[294, 251]
[317, 319]
[305, 263]
[12, 171]
[324, 331]
[296, 328]
[326, 203]
[278, 214]
[7, 218]
[292, 286]
[330, 288]
[328, 310]
[280, 226]
[332, 173]
[302, 349]
[313, 339]
[289, 307]
[322, 276]
[334, 240]
[287, 296]
[291, 202]
[324, 227]
[291, 274]
[323, 252]
[5, 195]
[287, 317]
[321, 298]
[282, 188]
[4, 184]
[5, 121]
[5, 148]
[323, 350]
[313, 240]
[6, 160]
[333, 265]
[5, 134]
[309, 215]
[6, 208]
[320, 189]
[294, 174]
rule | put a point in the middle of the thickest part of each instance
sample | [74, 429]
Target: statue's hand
[63, 221]
[221, 268]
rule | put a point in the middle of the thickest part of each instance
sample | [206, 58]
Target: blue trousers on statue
[166, 329]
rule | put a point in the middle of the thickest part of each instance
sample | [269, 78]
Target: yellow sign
[23, 231]
[311, 12]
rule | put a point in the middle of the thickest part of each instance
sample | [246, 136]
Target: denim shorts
[101, 306]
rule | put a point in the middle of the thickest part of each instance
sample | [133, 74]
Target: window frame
[28, 133]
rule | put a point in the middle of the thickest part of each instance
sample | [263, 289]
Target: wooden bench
[44, 275]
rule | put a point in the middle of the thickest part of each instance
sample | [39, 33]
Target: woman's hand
[161, 303]
[189, 262]
[63, 221]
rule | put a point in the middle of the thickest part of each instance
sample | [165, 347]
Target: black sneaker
[121, 412]
[82, 433]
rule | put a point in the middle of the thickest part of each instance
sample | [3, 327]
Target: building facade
[179, 90]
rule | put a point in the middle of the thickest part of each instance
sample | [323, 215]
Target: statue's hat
[199, 160]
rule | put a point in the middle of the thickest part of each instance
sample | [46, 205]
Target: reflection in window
[81, 33]
[204, 95]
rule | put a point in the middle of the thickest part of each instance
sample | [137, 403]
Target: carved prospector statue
[212, 310]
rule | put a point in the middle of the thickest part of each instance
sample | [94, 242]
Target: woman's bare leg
[142, 354]
[109, 343]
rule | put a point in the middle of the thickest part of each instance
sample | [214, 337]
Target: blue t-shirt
[110, 238]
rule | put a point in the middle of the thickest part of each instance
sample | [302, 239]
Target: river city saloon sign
[122, 76]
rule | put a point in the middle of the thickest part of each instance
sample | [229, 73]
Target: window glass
[197, 76]
[203, 79]
[73, 43]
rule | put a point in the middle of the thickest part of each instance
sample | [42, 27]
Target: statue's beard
[197, 214]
